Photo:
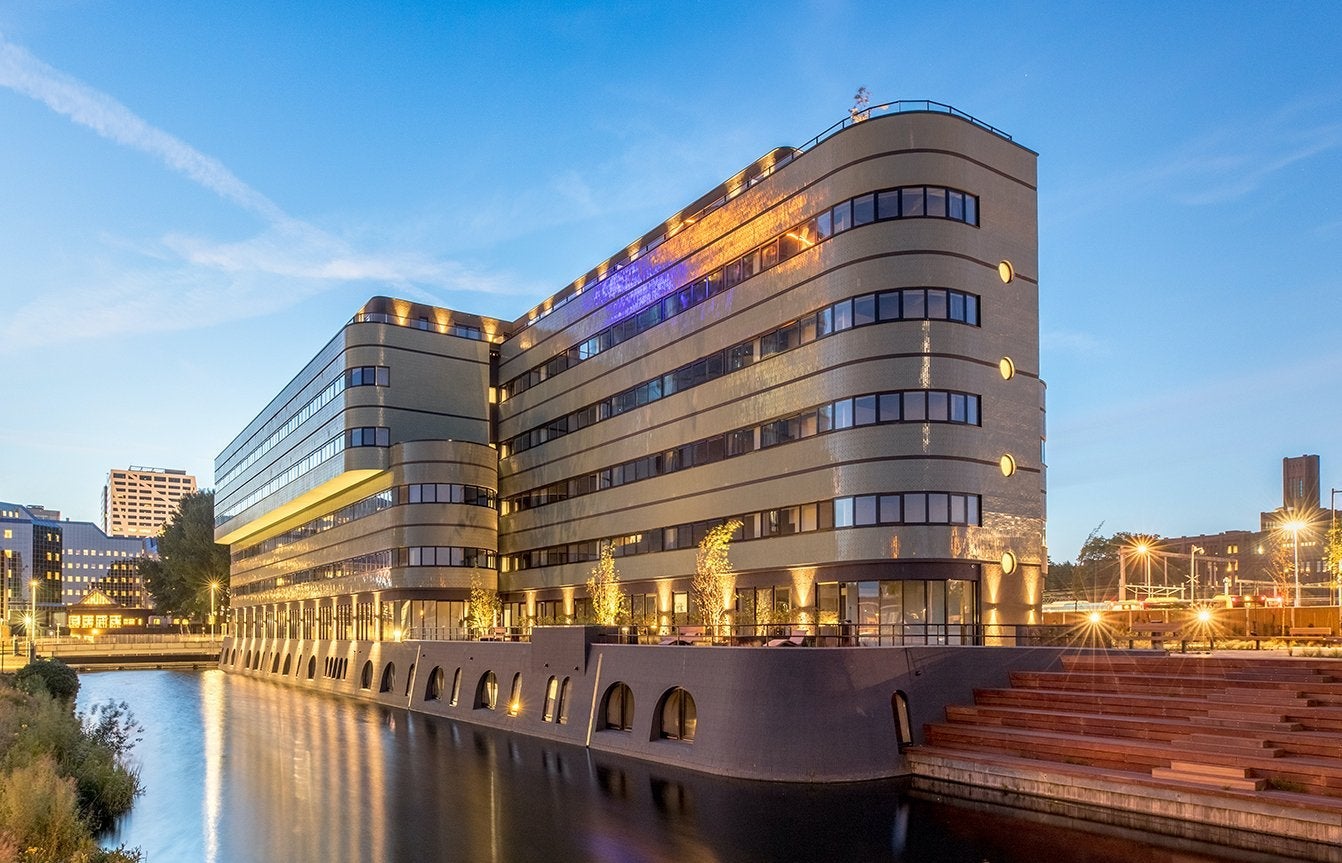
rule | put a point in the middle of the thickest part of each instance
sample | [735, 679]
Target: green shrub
[50, 675]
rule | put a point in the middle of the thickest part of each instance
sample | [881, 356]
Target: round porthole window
[1008, 465]
[1006, 272]
[1007, 368]
[1008, 563]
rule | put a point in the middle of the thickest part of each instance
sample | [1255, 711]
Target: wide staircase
[1240, 744]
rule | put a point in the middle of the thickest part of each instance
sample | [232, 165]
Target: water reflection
[239, 769]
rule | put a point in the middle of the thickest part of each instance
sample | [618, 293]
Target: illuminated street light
[1193, 553]
[1295, 525]
[214, 585]
[32, 609]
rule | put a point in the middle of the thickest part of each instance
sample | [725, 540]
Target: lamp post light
[1294, 526]
[1193, 569]
[1145, 551]
[32, 611]
[214, 585]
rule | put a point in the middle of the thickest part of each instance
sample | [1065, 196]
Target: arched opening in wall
[565, 695]
[617, 708]
[487, 693]
[366, 676]
[388, 678]
[409, 679]
[456, 688]
[275, 665]
[247, 660]
[515, 695]
[312, 667]
[551, 694]
[677, 717]
[434, 690]
[223, 655]
[287, 660]
[899, 705]
[233, 657]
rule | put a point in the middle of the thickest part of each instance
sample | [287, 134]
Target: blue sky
[195, 197]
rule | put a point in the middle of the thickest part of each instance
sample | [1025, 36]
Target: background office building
[838, 347]
[137, 501]
[31, 550]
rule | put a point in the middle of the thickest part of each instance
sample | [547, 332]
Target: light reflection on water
[239, 769]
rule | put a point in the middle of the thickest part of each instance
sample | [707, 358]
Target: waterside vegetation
[64, 776]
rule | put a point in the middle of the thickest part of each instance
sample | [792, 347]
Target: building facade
[93, 562]
[31, 551]
[138, 501]
[837, 347]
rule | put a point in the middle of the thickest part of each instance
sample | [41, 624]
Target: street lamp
[1295, 525]
[214, 585]
[1145, 551]
[32, 609]
[1193, 569]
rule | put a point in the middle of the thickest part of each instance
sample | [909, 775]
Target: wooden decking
[1245, 744]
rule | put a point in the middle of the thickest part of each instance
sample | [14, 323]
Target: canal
[237, 769]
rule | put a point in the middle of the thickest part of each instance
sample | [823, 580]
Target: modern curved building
[838, 346]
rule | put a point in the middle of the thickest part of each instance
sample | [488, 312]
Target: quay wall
[792, 714]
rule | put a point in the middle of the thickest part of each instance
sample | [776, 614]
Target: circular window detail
[1008, 563]
[1006, 272]
[1008, 464]
[1007, 368]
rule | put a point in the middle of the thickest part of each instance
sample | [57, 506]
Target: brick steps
[1225, 725]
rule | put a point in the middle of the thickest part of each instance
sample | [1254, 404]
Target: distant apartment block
[137, 501]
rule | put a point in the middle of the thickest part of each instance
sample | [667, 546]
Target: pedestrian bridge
[107, 652]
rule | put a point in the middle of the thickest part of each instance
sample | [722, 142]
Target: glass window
[971, 309]
[843, 315]
[972, 509]
[915, 304]
[824, 225]
[936, 305]
[824, 322]
[888, 306]
[864, 210]
[937, 409]
[843, 414]
[619, 710]
[915, 406]
[864, 509]
[955, 205]
[938, 508]
[958, 407]
[972, 410]
[890, 509]
[864, 410]
[889, 407]
[864, 310]
[679, 717]
[915, 508]
[843, 512]
[971, 209]
[911, 201]
[843, 217]
[957, 312]
[957, 509]
[565, 696]
[936, 201]
[887, 205]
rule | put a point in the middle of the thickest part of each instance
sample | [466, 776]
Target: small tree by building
[713, 572]
[1332, 554]
[483, 609]
[859, 110]
[189, 561]
[609, 600]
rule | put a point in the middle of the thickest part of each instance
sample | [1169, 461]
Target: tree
[603, 586]
[1281, 564]
[189, 561]
[713, 572]
[483, 609]
[1332, 553]
[859, 110]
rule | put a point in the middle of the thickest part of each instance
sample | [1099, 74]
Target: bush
[51, 676]
[39, 816]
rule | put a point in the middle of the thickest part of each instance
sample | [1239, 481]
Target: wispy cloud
[1222, 165]
[180, 281]
[1074, 342]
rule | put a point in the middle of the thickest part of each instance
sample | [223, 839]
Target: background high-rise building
[138, 500]
[1300, 483]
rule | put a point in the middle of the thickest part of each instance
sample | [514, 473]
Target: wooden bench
[1311, 631]
[1157, 630]
[687, 635]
